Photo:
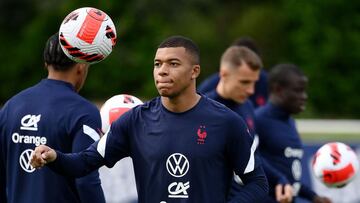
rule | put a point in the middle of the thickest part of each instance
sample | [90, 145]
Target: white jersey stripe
[102, 144]
[91, 132]
[251, 164]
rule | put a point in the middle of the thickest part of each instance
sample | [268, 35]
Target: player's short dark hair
[188, 44]
[247, 42]
[54, 55]
[280, 74]
[234, 56]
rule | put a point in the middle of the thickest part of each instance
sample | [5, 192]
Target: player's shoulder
[216, 108]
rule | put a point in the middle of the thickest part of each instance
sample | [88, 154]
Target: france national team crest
[202, 134]
[177, 166]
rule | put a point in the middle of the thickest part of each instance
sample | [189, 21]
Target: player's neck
[220, 90]
[62, 76]
[180, 103]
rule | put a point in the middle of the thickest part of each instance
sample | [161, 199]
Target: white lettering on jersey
[291, 152]
[24, 161]
[91, 132]
[178, 190]
[296, 188]
[27, 139]
[296, 169]
[177, 165]
[29, 122]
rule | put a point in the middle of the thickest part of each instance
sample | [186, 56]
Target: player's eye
[156, 64]
[174, 64]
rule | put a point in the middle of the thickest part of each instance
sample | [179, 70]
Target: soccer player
[280, 143]
[260, 94]
[52, 113]
[239, 71]
[185, 147]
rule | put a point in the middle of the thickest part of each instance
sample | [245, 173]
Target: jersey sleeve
[242, 155]
[113, 146]
[89, 187]
[240, 149]
[116, 144]
[2, 159]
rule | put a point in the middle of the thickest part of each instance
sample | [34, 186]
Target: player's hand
[284, 193]
[319, 199]
[42, 155]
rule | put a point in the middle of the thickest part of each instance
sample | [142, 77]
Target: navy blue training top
[178, 157]
[281, 146]
[247, 112]
[259, 97]
[50, 113]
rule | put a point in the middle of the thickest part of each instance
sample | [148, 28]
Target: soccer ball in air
[335, 164]
[114, 107]
[87, 35]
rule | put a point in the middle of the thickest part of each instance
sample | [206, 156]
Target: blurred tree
[325, 41]
[321, 36]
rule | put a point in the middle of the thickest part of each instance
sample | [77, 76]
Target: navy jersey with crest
[51, 113]
[281, 146]
[177, 157]
[259, 97]
[247, 112]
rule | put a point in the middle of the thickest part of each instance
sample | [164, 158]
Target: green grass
[328, 137]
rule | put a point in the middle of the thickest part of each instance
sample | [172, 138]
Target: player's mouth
[163, 83]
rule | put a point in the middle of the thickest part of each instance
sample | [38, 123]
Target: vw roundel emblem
[177, 165]
[24, 161]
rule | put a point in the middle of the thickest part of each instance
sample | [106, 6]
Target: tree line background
[322, 37]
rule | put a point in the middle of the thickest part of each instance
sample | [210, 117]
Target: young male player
[185, 147]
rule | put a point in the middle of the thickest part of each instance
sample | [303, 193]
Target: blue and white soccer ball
[87, 35]
[335, 164]
[114, 107]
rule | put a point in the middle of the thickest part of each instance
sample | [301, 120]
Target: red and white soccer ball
[335, 164]
[114, 107]
[87, 35]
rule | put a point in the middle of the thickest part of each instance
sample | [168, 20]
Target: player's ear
[278, 89]
[224, 72]
[81, 68]
[195, 71]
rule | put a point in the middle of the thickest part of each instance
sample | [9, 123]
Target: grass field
[322, 130]
[351, 138]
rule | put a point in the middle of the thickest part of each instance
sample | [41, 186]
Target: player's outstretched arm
[42, 155]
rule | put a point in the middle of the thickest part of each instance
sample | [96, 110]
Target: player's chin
[164, 92]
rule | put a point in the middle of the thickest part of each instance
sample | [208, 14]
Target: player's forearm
[75, 164]
[255, 188]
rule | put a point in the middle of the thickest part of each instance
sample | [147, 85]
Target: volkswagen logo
[24, 161]
[177, 165]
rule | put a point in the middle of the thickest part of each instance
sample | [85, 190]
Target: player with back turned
[185, 147]
[52, 113]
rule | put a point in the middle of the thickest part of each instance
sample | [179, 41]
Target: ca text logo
[29, 122]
